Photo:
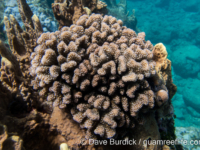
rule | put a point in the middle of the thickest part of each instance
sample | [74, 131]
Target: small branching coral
[15, 64]
[99, 69]
[68, 12]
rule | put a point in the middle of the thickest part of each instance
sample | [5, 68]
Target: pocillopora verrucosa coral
[93, 79]
[100, 69]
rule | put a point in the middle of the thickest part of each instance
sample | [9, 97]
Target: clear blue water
[176, 24]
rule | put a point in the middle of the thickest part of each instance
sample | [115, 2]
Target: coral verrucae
[99, 69]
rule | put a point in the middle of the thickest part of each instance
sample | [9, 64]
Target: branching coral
[68, 12]
[105, 83]
[101, 75]
[15, 64]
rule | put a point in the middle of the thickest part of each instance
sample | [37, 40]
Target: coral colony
[95, 65]
[92, 79]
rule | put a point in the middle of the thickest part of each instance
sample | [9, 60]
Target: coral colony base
[94, 79]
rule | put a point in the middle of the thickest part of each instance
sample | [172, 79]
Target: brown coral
[90, 63]
[87, 68]
[15, 67]
[68, 12]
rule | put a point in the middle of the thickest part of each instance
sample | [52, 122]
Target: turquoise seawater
[177, 25]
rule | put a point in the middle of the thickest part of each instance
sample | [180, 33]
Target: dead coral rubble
[67, 12]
